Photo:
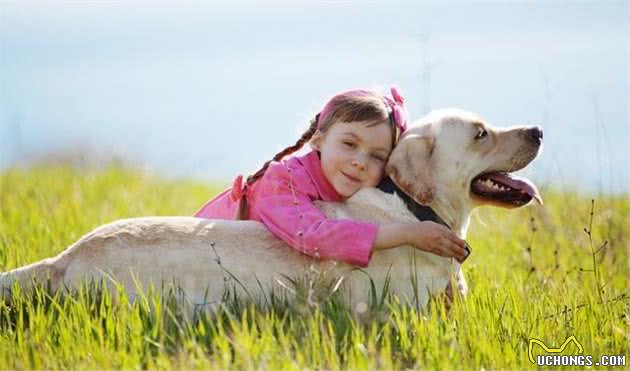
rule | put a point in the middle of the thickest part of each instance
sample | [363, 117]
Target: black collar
[421, 212]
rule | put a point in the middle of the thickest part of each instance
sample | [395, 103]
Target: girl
[351, 139]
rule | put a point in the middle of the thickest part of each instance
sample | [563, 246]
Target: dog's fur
[434, 162]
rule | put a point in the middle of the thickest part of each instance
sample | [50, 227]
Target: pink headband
[398, 115]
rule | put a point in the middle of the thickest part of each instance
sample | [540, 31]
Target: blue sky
[213, 89]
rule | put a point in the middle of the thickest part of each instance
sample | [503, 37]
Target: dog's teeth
[490, 184]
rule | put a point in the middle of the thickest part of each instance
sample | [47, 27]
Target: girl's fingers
[457, 251]
[459, 247]
[444, 251]
[458, 241]
[450, 250]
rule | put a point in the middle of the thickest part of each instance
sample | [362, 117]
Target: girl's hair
[365, 106]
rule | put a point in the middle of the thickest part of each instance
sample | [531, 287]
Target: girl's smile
[352, 178]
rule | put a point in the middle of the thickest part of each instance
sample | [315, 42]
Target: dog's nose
[536, 133]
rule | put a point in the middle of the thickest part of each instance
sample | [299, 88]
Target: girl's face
[353, 155]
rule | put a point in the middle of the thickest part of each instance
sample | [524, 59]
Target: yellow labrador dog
[451, 161]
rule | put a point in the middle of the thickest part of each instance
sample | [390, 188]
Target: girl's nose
[359, 162]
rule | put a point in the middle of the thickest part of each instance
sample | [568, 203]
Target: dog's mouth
[504, 189]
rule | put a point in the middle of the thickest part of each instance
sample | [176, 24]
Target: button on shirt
[282, 199]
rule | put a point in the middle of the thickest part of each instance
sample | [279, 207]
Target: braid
[308, 134]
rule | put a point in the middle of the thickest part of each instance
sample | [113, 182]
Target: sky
[210, 90]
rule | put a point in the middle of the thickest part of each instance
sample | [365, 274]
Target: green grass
[531, 275]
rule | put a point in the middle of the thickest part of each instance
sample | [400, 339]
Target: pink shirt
[282, 199]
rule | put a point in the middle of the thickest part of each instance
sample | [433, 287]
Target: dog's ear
[409, 166]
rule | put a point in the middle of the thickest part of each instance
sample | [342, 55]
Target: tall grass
[544, 272]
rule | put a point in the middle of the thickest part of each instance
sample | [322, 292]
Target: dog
[445, 165]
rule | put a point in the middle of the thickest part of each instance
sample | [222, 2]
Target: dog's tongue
[522, 184]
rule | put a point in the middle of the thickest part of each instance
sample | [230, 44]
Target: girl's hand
[427, 236]
[437, 239]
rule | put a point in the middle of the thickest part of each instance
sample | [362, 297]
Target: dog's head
[456, 154]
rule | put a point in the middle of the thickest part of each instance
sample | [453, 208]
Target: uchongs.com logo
[553, 356]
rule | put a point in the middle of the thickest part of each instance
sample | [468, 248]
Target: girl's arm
[283, 201]
[427, 236]
[285, 206]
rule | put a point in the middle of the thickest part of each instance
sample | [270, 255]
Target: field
[539, 272]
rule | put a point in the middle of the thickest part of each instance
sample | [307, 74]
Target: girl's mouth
[351, 178]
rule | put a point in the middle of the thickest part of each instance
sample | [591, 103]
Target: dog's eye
[481, 134]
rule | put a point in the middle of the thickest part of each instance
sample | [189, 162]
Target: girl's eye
[349, 144]
[482, 134]
[378, 157]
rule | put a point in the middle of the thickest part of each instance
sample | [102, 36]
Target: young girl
[351, 139]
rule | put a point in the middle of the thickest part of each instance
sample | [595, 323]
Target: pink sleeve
[289, 213]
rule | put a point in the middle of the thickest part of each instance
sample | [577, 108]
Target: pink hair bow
[399, 111]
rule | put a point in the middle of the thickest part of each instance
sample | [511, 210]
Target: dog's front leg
[461, 285]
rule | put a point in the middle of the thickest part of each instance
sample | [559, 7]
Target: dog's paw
[460, 285]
